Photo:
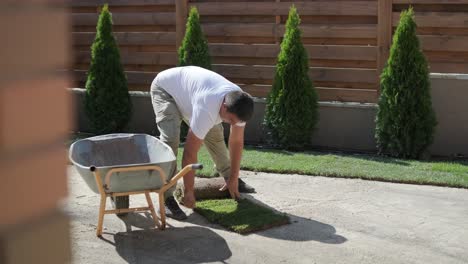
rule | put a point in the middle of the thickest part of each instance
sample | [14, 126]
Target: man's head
[237, 107]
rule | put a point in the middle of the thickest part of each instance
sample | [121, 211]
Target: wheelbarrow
[120, 165]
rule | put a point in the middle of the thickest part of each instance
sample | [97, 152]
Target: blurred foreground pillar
[35, 115]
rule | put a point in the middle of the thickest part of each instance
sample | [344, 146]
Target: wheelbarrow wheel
[121, 202]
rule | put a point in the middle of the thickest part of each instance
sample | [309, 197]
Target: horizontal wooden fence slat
[366, 53]
[347, 95]
[431, 2]
[256, 90]
[84, 3]
[448, 67]
[344, 75]
[449, 43]
[90, 19]
[128, 38]
[269, 30]
[336, 31]
[239, 30]
[267, 73]
[125, 9]
[437, 19]
[324, 94]
[146, 58]
[446, 56]
[312, 62]
[336, 8]
[317, 74]
[133, 77]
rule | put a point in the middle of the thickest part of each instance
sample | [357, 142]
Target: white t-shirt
[198, 93]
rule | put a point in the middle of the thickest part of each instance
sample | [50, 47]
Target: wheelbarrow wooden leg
[162, 211]
[102, 208]
[151, 207]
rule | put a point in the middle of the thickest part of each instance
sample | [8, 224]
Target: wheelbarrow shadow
[140, 220]
[147, 244]
[191, 244]
[298, 229]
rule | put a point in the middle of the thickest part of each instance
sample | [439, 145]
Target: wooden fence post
[181, 20]
[384, 33]
[278, 23]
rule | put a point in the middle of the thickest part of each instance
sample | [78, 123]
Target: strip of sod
[242, 216]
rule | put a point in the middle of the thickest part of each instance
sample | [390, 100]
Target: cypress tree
[194, 47]
[193, 51]
[107, 101]
[405, 121]
[291, 111]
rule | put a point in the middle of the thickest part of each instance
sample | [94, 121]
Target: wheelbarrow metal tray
[123, 150]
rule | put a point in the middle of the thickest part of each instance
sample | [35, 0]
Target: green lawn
[370, 167]
[453, 174]
[242, 217]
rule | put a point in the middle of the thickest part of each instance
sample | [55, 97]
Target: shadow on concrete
[173, 245]
[141, 221]
[299, 229]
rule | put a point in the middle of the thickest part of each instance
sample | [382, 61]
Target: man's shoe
[245, 188]
[173, 210]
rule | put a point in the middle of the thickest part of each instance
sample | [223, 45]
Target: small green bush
[291, 112]
[107, 101]
[405, 120]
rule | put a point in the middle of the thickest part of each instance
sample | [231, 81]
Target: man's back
[198, 93]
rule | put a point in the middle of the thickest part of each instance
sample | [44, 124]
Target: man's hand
[233, 186]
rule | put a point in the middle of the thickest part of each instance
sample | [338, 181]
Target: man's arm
[191, 148]
[236, 145]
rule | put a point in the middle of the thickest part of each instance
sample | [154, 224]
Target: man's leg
[168, 120]
[214, 142]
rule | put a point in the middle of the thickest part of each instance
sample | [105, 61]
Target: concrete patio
[332, 221]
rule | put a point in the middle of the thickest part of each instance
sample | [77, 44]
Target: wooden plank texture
[268, 30]
[317, 74]
[347, 95]
[444, 43]
[444, 2]
[336, 8]
[128, 38]
[181, 19]
[333, 52]
[384, 38]
[146, 58]
[90, 19]
[83, 3]
[448, 67]
[437, 19]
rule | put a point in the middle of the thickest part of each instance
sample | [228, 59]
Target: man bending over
[203, 99]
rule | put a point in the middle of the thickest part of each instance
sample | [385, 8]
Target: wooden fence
[347, 40]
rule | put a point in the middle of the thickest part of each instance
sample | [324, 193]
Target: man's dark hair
[241, 104]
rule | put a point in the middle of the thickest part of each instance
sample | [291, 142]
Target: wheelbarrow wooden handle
[180, 174]
[197, 166]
